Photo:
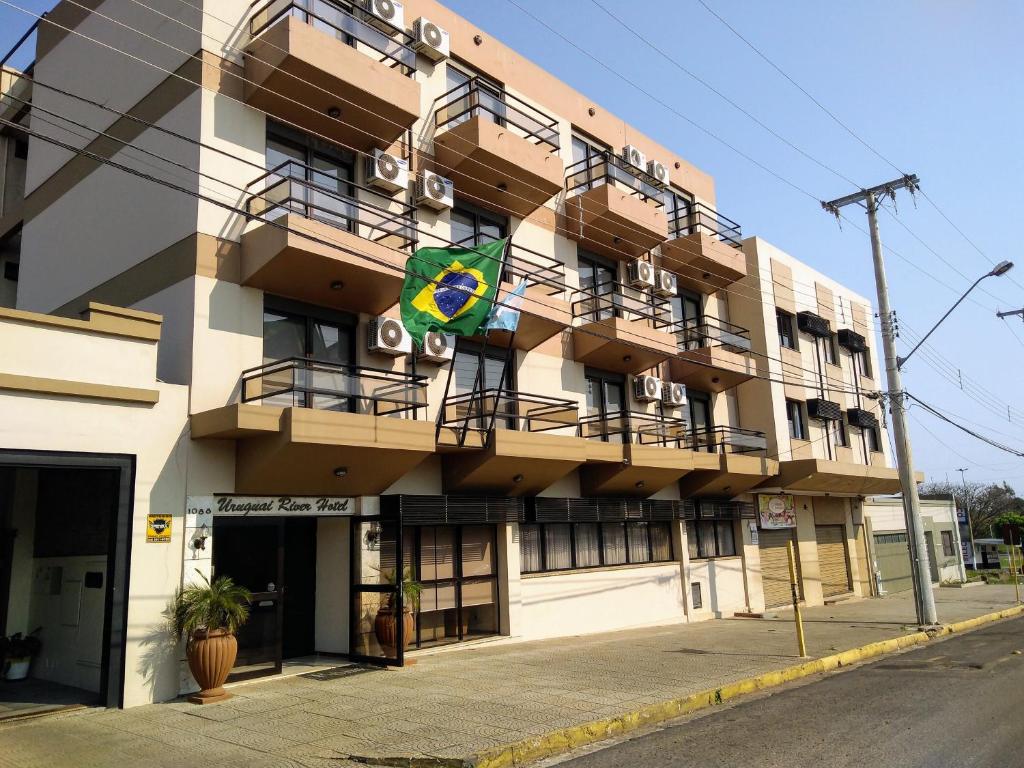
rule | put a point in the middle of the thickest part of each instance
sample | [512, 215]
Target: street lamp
[999, 270]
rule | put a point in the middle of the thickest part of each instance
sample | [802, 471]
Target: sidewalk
[456, 704]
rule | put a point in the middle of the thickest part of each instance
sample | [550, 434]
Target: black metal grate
[558, 510]
[824, 410]
[452, 510]
[724, 509]
[858, 417]
[813, 324]
[851, 340]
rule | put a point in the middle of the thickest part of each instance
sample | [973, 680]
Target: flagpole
[509, 353]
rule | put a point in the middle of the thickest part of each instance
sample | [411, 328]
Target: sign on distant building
[777, 511]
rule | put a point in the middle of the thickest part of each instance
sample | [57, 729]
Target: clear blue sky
[929, 83]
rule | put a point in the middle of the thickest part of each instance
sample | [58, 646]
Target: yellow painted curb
[566, 739]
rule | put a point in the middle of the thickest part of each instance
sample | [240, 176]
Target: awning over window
[452, 510]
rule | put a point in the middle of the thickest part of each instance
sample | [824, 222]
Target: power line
[962, 428]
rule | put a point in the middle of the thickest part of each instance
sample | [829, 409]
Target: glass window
[787, 336]
[873, 440]
[614, 535]
[557, 546]
[829, 350]
[529, 549]
[839, 433]
[677, 210]
[724, 538]
[661, 541]
[710, 538]
[865, 363]
[947, 543]
[636, 533]
[691, 540]
[795, 417]
[588, 545]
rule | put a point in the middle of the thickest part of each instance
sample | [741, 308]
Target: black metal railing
[293, 187]
[610, 299]
[697, 218]
[697, 333]
[729, 440]
[305, 383]
[479, 98]
[335, 19]
[608, 168]
[25, 46]
[636, 427]
[483, 410]
[526, 264]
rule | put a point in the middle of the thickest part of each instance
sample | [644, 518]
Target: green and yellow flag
[450, 290]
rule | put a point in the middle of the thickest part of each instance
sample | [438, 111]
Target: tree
[986, 503]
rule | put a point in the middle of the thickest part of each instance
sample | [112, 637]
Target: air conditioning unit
[646, 389]
[434, 191]
[813, 324]
[851, 340]
[858, 417]
[431, 40]
[437, 347]
[824, 410]
[634, 157]
[387, 336]
[673, 395]
[666, 285]
[386, 15]
[385, 171]
[641, 274]
[658, 171]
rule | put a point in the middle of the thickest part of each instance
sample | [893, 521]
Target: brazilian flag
[450, 290]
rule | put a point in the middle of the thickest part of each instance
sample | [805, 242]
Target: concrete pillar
[510, 621]
[751, 553]
[23, 520]
[807, 544]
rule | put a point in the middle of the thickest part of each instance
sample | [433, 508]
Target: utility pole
[926, 615]
[967, 511]
[1011, 313]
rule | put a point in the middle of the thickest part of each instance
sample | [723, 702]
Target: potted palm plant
[207, 615]
[17, 652]
[385, 625]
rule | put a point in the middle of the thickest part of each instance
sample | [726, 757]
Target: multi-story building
[601, 468]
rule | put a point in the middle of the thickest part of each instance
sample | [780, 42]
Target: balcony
[821, 476]
[307, 59]
[621, 329]
[505, 441]
[713, 355]
[741, 462]
[320, 428]
[613, 208]
[636, 454]
[501, 152]
[326, 241]
[704, 249]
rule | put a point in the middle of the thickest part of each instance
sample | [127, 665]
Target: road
[952, 704]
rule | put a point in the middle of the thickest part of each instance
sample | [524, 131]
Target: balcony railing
[611, 299]
[608, 168]
[711, 332]
[635, 427]
[729, 440]
[336, 20]
[293, 187]
[479, 98]
[698, 218]
[484, 410]
[304, 383]
[532, 266]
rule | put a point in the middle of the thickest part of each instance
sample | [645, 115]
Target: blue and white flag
[505, 314]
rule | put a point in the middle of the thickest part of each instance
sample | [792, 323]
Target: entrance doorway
[64, 532]
[275, 559]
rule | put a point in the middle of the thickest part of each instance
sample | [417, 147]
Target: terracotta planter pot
[385, 627]
[211, 655]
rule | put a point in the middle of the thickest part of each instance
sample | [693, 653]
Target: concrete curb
[564, 740]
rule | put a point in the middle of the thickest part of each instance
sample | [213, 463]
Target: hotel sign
[777, 511]
[270, 506]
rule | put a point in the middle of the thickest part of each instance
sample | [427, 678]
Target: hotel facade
[210, 377]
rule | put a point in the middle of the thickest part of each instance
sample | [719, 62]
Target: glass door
[606, 397]
[688, 310]
[700, 420]
[597, 280]
[479, 368]
[331, 192]
[382, 624]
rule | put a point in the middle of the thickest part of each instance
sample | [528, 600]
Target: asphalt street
[954, 704]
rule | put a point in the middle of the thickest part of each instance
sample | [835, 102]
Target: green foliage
[986, 503]
[208, 607]
[411, 590]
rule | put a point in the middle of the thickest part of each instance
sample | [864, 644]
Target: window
[865, 363]
[20, 149]
[795, 417]
[839, 433]
[787, 334]
[710, 538]
[562, 546]
[11, 269]
[677, 210]
[480, 367]
[830, 352]
[701, 421]
[472, 226]
[606, 399]
[873, 439]
[586, 165]
[488, 103]
[695, 596]
[597, 281]
[947, 543]
[687, 307]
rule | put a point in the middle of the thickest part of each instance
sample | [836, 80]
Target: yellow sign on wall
[158, 528]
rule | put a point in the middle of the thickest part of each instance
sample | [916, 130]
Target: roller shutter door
[775, 567]
[892, 553]
[832, 560]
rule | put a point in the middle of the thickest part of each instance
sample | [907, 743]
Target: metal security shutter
[893, 557]
[832, 560]
[775, 567]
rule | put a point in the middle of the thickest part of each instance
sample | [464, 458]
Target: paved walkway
[454, 704]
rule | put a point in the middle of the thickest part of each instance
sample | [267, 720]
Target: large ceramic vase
[385, 627]
[211, 655]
